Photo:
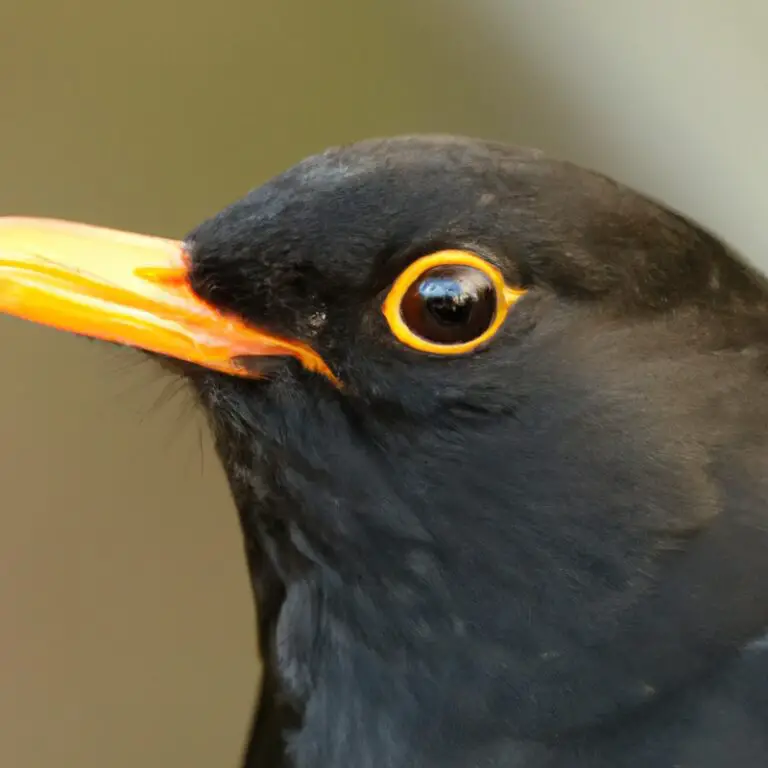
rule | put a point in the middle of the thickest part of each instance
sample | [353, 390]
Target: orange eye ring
[392, 308]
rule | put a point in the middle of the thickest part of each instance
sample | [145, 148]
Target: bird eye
[448, 303]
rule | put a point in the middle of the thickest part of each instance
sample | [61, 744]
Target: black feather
[551, 553]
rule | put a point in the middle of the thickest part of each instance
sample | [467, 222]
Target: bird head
[496, 424]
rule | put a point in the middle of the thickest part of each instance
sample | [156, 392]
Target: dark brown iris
[450, 304]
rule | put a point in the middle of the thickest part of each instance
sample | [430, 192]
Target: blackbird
[496, 428]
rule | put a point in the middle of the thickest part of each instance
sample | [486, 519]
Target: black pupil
[450, 304]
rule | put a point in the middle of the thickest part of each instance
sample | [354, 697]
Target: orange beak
[129, 289]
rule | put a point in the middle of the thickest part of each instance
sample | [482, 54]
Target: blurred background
[126, 627]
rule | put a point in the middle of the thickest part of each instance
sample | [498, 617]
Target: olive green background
[125, 617]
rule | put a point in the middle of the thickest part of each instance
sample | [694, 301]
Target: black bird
[497, 431]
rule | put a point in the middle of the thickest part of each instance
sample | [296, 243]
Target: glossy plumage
[550, 553]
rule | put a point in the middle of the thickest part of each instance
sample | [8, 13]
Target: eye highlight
[448, 303]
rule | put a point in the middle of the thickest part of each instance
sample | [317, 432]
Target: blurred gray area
[125, 617]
